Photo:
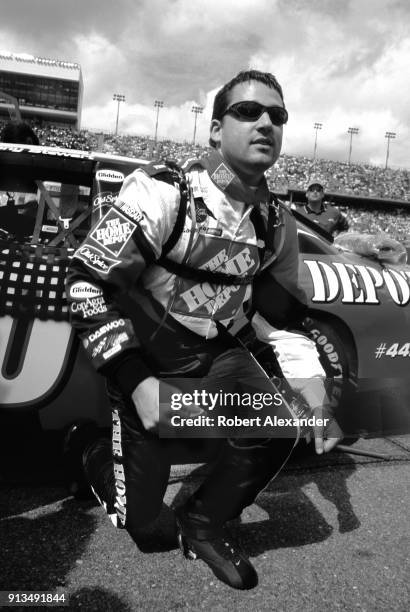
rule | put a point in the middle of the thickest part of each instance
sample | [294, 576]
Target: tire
[338, 358]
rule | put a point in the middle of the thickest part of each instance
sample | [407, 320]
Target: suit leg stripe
[119, 474]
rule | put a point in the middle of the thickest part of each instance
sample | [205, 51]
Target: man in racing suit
[144, 317]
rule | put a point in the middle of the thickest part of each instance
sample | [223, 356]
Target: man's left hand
[327, 435]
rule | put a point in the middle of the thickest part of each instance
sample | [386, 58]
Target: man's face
[249, 147]
[315, 194]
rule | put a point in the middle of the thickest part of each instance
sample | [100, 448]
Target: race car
[358, 306]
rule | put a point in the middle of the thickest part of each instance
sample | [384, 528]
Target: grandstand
[375, 199]
[47, 90]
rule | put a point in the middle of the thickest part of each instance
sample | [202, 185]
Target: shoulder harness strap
[171, 173]
[265, 231]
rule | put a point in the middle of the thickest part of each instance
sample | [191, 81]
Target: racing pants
[129, 475]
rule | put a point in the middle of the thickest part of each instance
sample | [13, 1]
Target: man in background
[321, 212]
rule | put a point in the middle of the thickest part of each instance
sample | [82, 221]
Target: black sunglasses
[251, 111]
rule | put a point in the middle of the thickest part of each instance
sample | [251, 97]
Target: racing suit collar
[227, 181]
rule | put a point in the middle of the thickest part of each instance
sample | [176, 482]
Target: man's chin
[263, 161]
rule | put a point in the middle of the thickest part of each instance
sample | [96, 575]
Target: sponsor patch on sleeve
[108, 340]
[95, 259]
[83, 290]
[90, 307]
[113, 231]
[131, 211]
[105, 198]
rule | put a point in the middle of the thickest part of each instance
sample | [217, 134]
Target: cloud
[341, 62]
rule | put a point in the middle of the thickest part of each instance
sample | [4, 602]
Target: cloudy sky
[343, 63]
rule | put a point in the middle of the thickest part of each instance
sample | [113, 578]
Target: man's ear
[215, 132]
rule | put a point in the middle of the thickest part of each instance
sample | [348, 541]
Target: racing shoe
[218, 550]
[78, 438]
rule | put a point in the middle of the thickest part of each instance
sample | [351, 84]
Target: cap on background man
[316, 182]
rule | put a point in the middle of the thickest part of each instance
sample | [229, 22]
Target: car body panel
[369, 298]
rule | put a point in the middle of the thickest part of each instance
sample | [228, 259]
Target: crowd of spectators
[289, 172]
[341, 177]
[394, 222]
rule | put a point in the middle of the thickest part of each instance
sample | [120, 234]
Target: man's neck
[232, 183]
[253, 181]
[250, 180]
[315, 206]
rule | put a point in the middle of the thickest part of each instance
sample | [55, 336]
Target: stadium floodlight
[197, 110]
[389, 136]
[317, 126]
[351, 131]
[157, 104]
[118, 98]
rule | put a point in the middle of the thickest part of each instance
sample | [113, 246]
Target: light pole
[317, 126]
[157, 104]
[389, 136]
[197, 110]
[351, 131]
[119, 98]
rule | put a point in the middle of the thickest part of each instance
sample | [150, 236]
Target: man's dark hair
[245, 76]
[221, 98]
[18, 132]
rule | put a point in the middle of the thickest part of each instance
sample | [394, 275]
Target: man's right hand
[146, 401]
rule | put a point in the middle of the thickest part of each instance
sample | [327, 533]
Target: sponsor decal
[357, 284]
[131, 211]
[119, 475]
[110, 345]
[203, 296]
[201, 211]
[112, 351]
[328, 352]
[90, 307]
[109, 176]
[95, 259]
[84, 290]
[97, 349]
[116, 435]
[105, 198]
[104, 329]
[113, 231]
[222, 176]
[55, 151]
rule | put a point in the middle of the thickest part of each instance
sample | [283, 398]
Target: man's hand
[326, 436]
[153, 416]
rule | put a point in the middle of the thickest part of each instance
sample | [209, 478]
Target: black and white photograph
[205, 305]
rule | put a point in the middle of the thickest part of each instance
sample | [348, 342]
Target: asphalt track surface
[330, 533]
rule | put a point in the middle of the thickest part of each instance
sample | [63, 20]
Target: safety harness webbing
[32, 281]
